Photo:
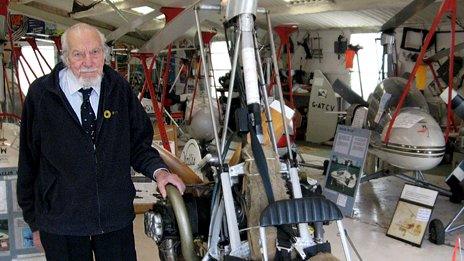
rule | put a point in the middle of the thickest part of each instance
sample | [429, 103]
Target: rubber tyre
[436, 232]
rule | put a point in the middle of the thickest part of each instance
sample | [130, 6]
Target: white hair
[79, 27]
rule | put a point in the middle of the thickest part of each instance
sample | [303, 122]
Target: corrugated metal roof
[363, 18]
[337, 19]
[329, 15]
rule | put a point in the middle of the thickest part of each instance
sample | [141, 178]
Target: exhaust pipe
[183, 223]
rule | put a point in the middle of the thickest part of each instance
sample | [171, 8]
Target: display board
[345, 167]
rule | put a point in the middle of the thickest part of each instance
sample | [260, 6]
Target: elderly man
[82, 129]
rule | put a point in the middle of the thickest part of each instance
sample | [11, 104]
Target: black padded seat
[301, 210]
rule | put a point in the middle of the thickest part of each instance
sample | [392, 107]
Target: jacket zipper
[69, 109]
[96, 182]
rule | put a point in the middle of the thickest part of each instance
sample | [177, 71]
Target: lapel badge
[107, 114]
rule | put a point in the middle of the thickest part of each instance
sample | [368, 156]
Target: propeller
[407, 12]
[443, 53]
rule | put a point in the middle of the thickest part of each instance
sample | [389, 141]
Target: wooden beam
[21, 1]
[172, 31]
[135, 24]
[61, 20]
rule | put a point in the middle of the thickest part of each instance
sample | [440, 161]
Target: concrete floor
[374, 208]
[373, 211]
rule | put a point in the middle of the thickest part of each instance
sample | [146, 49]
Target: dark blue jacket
[66, 185]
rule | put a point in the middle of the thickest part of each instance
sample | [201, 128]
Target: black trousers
[114, 246]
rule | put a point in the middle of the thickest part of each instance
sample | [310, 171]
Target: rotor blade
[348, 94]
[409, 11]
[177, 27]
[443, 53]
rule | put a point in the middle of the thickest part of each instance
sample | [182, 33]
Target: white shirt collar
[73, 85]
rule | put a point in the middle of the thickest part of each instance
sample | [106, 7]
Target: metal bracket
[235, 171]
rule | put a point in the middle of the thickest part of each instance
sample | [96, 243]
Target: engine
[161, 224]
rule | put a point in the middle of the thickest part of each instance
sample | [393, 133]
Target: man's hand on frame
[163, 178]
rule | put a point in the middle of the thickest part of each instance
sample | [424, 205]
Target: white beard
[88, 83]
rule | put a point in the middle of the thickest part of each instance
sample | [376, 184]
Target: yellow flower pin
[107, 114]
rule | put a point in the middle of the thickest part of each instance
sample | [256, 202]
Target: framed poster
[412, 214]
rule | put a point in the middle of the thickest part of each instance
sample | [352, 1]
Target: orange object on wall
[421, 77]
[349, 57]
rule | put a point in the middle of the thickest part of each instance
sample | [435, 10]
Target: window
[48, 51]
[220, 61]
[370, 60]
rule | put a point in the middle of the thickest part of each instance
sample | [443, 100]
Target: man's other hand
[36, 240]
[163, 178]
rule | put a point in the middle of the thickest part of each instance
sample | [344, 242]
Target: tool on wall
[305, 45]
[316, 47]
[351, 51]
[340, 45]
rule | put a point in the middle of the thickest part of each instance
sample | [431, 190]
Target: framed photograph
[3, 198]
[413, 39]
[343, 176]
[412, 214]
[4, 236]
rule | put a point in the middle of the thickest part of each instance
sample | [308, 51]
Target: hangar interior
[302, 129]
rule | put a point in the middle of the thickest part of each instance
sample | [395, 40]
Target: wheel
[326, 165]
[436, 232]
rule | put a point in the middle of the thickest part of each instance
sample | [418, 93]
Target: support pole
[284, 32]
[294, 179]
[231, 90]
[346, 250]
[195, 86]
[265, 98]
[15, 60]
[359, 74]
[232, 227]
[18, 55]
[279, 87]
[148, 70]
[36, 50]
[169, 13]
[208, 90]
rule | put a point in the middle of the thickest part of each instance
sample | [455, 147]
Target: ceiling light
[143, 9]
[308, 2]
